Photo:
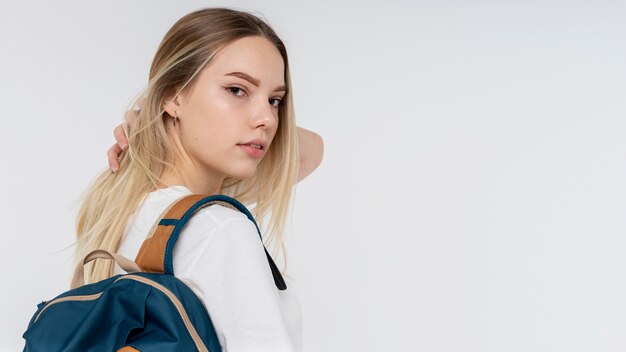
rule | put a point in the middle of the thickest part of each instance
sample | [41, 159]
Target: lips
[252, 151]
[257, 144]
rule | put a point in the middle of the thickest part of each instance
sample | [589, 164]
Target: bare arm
[311, 152]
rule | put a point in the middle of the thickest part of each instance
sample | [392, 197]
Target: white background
[472, 195]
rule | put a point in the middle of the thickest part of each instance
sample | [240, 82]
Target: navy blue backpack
[147, 309]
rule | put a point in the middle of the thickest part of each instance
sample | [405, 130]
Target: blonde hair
[185, 50]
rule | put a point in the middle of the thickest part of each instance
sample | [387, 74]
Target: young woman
[217, 118]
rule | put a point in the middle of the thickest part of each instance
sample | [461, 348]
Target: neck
[189, 174]
[195, 181]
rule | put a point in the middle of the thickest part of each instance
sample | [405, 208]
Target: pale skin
[256, 119]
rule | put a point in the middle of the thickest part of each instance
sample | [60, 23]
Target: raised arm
[311, 152]
[310, 147]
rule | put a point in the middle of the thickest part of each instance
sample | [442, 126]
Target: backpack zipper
[69, 298]
[179, 306]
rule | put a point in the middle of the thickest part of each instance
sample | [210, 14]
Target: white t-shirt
[219, 255]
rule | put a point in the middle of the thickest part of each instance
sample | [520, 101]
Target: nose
[266, 115]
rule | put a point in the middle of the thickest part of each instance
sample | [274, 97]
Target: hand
[121, 141]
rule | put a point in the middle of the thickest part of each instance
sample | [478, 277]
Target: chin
[243, 174]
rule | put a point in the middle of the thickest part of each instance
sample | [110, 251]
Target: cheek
[207, 111]
[277, 127]
[206, 101]
[219, 103]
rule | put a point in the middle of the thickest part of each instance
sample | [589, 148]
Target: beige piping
[70, 298]
[179, 306]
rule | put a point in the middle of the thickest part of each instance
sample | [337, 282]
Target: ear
[173, 103]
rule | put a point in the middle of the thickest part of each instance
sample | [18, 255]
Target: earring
[175, 118]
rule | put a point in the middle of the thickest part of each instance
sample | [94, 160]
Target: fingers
[120, 138]
[141, 102]
[131, 116]
[113, 154]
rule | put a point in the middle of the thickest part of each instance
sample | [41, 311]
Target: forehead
[256, 56]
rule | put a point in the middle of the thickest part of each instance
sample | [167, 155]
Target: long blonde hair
[185, 50]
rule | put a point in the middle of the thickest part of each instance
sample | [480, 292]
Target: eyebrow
[253, 80]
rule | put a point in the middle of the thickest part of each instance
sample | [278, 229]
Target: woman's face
[233, 102]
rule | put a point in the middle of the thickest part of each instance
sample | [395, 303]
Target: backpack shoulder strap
[156, 252]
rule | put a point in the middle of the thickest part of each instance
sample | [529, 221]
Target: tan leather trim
[182, 205]
[128, 349]
[151, 255]
[161, 216]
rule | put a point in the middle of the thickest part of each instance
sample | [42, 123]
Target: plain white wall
[472, 195]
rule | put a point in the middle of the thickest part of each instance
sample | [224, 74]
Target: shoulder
[218, 223]
[217, 216]
[218, 239]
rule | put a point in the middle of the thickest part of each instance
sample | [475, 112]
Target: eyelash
[280, 101]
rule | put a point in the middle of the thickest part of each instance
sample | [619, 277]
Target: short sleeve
[224, 262]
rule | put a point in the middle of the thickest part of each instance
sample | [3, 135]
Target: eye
[234, 90]
[278, 102]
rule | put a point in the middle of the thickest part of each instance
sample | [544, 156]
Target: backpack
[147, 309]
